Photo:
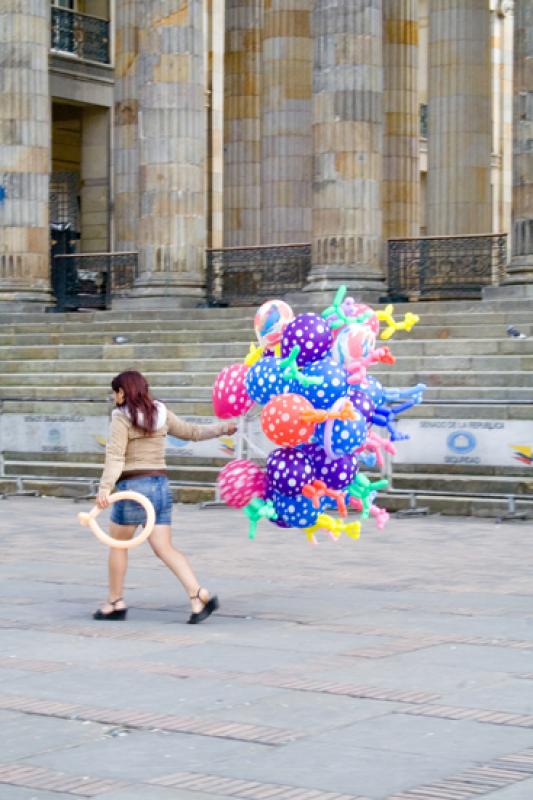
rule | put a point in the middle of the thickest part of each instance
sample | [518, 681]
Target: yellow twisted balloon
[408, 322]
[335, 526]
[256, 353]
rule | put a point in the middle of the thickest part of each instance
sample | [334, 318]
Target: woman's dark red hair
[142, 409]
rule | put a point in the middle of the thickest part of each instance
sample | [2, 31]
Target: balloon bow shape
[89, 520]
[317, 489]
[257, 510]
[408, 322]
[255, 354]
[335, 527]
[364, 490]
[335, 313]
[316, 416]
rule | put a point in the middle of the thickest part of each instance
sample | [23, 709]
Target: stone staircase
[60, 366]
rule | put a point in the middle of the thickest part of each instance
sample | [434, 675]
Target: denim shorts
[156, 489]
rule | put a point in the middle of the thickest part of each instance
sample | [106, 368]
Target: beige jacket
[129, 448]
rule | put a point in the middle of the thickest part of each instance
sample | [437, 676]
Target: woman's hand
[231, 428]
[102, 498]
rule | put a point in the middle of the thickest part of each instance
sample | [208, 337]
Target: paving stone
[383, 619]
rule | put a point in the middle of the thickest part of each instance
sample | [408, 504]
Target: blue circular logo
[461, 442]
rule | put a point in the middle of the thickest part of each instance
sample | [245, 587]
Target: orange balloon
[281, 420]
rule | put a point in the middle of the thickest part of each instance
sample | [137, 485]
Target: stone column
[25, 132]
[126, 142]
[401, 186]
[286, 130]
[459, 118]
[348, 147]
[172, 152]
[520, 270]
[242, 123]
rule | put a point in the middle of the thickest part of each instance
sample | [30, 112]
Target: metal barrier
[247, 445]
[246, 275]
[445, 267]
[90, 280]
[81, 35]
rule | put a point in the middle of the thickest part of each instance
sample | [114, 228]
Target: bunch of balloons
[320, 407]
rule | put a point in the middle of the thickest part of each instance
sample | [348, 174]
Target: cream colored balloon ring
[89, 521]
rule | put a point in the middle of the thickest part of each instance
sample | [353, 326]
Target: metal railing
[246, 275]
[80, 35]
[445, 267]
[90, 280]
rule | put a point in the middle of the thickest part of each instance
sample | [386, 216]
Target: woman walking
[135, 460]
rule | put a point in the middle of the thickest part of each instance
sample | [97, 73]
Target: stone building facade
[169, 127]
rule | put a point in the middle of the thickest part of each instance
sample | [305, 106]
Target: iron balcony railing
[445, 267]
[80, 35]
[91, 280]
[244, 275]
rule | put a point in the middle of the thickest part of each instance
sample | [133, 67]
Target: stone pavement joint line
[28, 665]
[96, 631]
[221, 729]
[273, 679]
[31, 777]
[251, 790]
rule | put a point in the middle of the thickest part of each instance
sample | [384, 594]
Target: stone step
[56, 469]
[481, 399]
[85, 488]
[464, 484]
[187, 333]
[188, 462]
[453, 505]
[198, 474]
[232, 352]
[110, 367]
[405, 472]
[435, 378]
[240, 322]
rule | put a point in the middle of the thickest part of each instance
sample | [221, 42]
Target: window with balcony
[80, 29]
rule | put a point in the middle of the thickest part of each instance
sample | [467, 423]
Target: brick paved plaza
[398, 667]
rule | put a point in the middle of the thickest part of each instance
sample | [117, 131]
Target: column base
[25, 300]
[363, 284]
[518, 284]
[162, 294]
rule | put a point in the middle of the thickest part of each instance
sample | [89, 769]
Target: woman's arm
[187, 430]
[115, 453]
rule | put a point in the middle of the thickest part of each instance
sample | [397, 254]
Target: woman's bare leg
[161, 542]
[117, 566]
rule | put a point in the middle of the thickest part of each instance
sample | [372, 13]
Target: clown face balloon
[354, 342]
[270, 321]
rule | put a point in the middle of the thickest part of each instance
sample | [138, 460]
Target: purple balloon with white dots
[336, 473]
[288, 471]
[313, 336]
[362, 402]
